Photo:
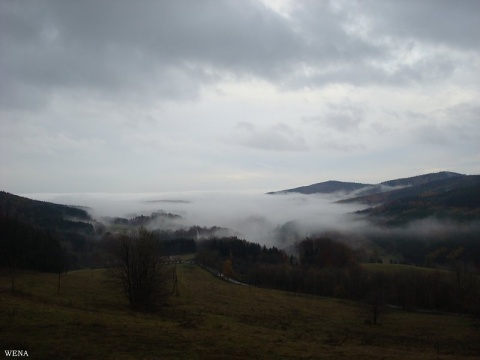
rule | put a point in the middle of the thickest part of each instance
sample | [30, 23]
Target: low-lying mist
[272, 220]
[253, 216]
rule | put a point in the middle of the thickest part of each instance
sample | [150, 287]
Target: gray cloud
[439, 22]
[172, 49]
[278, 137]
[167, 48]
[449, 126]
[342, 117]
[115, 94]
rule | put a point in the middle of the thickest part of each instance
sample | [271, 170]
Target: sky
[219, 95]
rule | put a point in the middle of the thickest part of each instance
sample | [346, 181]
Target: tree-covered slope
[45, 215]
[366, 190]
[456, 199]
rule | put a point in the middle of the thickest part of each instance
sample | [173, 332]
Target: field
[213, 319]
[396, 268]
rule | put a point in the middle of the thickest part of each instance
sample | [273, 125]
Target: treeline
[325, 267]
[23, 246]
[144, 220]
[236, 257]
[26, 245]
[193, 232]
[438, 251]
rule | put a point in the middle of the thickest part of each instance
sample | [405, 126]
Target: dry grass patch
[213, 319]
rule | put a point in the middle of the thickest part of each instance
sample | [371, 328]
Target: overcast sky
[152, 96]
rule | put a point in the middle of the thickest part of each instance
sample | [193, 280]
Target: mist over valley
[430, 210]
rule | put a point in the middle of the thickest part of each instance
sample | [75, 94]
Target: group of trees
[326, 267]
[23, 246]
[241, 254]
[438, 251]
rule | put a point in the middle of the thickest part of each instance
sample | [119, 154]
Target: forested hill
[455, 198]
[326, 187]
[45, 215]
[359, 189]
[423, 179]
[425, 189]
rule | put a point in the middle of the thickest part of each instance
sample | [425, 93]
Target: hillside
[399, 201]
[457, 198]
[327, 187]
[347, 188]
[213, 319]
[422, 179]
[432, 187]
[45, 215]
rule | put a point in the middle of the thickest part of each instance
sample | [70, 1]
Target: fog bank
[272, 220]
[256, 217]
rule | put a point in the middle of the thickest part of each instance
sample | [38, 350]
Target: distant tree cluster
[193, 232]
[178, 246]
[241, 254]
[144, 220]
[438, 251]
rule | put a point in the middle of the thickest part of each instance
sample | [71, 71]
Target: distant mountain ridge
[423, 184]
[442, 195]
[326, 187]
[456, 198]
[333, 186]
[422, 179]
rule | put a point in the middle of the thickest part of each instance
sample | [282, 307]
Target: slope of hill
[422, 179]
[347, 188]
[327, 187]
[457, 198]
[45, 215]
[425, 188]
[213, 319]
[443, 195]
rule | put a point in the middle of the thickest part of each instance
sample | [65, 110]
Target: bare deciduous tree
[376, 296]
[138, 269]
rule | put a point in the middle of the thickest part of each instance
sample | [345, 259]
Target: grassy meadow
[213, 319]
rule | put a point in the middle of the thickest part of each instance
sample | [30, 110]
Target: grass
[393, 268]
[212, 319]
